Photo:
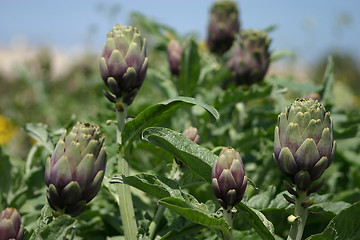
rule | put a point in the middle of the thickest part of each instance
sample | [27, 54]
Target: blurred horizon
[311, 30]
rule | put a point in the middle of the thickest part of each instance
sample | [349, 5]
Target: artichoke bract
[123, 63]
[174, 51]
[303, 143]
[10, 225]
[224, 26]
[76, 169]
[249, 58]
[228, 178]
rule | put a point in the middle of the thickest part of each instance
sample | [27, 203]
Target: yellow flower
[7, 130]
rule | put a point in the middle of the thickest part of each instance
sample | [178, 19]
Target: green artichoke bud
[249, 58]
[123, 63]
[224, 26]
[303, 142]
[10, 225]
[228, 178]
[76, 169]
[174, 51]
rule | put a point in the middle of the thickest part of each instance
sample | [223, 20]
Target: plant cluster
[195, 141]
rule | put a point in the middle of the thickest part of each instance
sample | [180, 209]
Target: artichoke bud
[228, 178]
[76, 169]
[192, 134]
[249, 58]
[224, 26]
[10, 225]
[303, 142]
[174, 51]
[123, 63]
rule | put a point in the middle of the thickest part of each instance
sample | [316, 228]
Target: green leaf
[197, 158]
[194, 214]
[257, 220]
[157, 113]
[58, 228]
[5, 175]
[190, 68]
[345, 225]
[326, 92]
[52, 229]
[156, 186]
[41, 133]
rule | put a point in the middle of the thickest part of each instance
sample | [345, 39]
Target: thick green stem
[227, 215]
[301, 213]
[125, 201]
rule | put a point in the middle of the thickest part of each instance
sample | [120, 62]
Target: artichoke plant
[76, 169]
[123, 63]
[10, 225]
[303, 144]
[174, 51]
[228, 178]
[224, 26]
[249, 58]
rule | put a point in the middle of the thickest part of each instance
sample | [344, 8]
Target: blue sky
[309, 28]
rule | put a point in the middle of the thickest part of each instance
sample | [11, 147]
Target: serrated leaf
[157, 113]
[257, 220]
[197, 158]
[190, 68]
[58, 228]
[345, 225]
[41, 133]
[193, 214]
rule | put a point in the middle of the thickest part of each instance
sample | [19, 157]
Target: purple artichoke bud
[174, 51]
[123, 63]
[228, 178]
[192, 134]
[250, 57]
[223, 27]
[303, 142]
[10, 225]
[76, 169]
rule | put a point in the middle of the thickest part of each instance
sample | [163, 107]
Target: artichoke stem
[124, 199]
[227, 215]
[297, 229]
[175, 175]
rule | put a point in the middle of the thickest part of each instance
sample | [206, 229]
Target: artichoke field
[279, 156]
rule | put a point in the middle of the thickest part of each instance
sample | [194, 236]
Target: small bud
[174, 51]
[10, 225]
[228, 178]
[192, 134]
[291, 219]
